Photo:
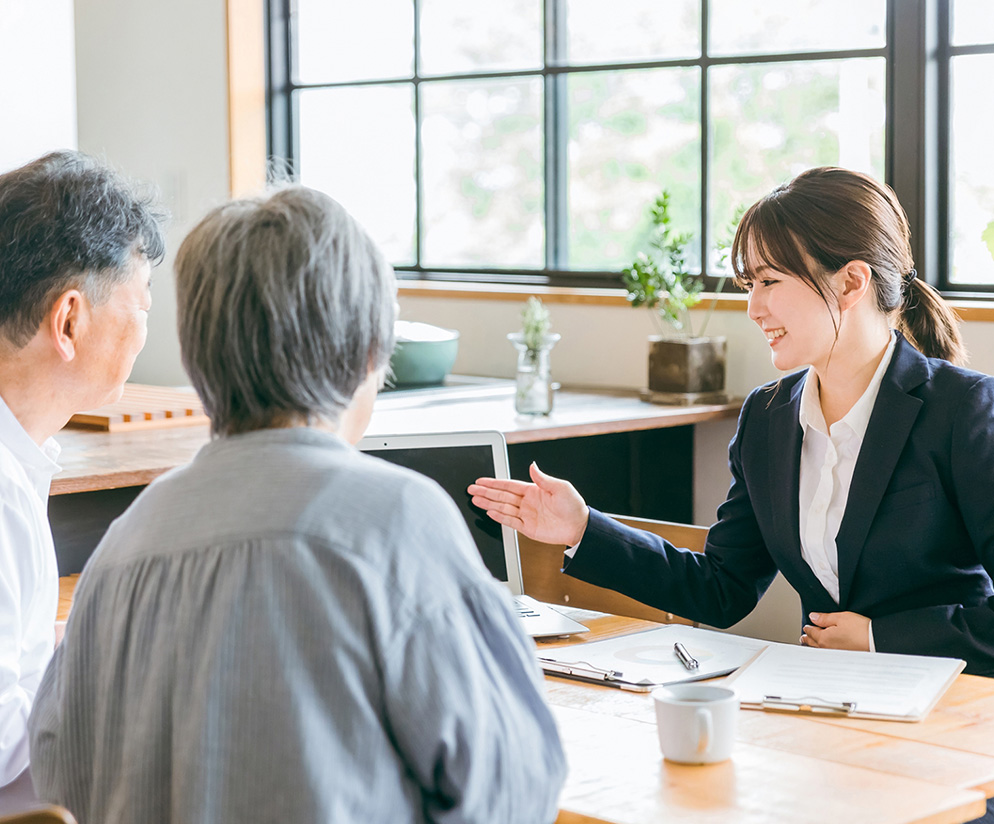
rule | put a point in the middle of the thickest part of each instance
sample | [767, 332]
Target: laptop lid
[454, 460]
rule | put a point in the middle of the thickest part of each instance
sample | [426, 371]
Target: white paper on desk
[647, 659]
[883, 685]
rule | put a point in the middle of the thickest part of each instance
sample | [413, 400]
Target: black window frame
[918, 53]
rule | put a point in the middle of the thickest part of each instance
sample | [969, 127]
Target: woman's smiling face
[800, 327]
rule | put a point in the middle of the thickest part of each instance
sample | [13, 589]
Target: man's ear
[65, 323]
[856, 279]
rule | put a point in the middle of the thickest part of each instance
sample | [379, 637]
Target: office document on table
[878, 685]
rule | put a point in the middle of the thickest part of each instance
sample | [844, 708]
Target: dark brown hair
[833, 216]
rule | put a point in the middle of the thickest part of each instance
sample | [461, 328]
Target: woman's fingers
[505, 519]
[487, 493]
[490, 505]
[484, 486]
[539, 477]
[547, 483]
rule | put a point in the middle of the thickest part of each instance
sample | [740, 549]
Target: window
[522, 140]
[971, 145]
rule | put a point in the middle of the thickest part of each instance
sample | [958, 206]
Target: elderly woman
[287, 629]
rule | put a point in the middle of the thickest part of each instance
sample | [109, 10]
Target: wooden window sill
[966, 309]
[549, 294]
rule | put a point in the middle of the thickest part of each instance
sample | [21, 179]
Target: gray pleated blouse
[287, 630]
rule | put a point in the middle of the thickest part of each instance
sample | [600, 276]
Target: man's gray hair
[284, 305]
[68, 222]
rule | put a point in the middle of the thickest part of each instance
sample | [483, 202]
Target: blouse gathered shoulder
[287, 629]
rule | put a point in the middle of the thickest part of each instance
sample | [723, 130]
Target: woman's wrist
[581, 529]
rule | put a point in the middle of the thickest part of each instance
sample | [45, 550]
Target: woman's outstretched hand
[549, 510]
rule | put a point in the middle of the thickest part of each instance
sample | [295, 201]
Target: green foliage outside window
[988, 237]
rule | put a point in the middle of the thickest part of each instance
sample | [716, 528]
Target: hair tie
[906, 283]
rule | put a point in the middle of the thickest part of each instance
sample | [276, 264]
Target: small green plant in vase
[533, 395]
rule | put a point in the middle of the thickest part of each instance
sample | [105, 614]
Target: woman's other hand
[549, 510]
[837, 630]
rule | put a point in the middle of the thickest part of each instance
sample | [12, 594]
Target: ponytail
[928, 323]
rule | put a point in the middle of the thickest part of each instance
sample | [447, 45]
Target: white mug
[696, 722]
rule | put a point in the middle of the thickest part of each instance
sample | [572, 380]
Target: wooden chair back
[542, 579]
[40, 815]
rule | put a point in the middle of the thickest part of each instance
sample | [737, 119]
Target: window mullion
[556, 139]
[942, 88]
[418, 170]
[914, 164]
[705, 139]
[281, 126]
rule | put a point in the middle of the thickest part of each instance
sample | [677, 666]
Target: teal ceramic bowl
[424, 354]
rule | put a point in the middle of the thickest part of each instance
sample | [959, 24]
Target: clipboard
[877, 685]
[642, 661]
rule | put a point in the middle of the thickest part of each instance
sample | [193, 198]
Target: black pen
[685, 657]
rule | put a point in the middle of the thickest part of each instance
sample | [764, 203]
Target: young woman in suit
[864, 478]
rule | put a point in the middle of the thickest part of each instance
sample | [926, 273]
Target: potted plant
[685, 367]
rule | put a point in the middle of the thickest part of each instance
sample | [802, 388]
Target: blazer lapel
[784, 485]
[893, 416]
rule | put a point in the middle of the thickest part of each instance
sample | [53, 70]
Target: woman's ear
[856, 278]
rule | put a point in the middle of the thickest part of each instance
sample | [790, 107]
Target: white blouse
[828, 459]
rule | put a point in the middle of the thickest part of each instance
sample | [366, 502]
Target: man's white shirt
[29, 583]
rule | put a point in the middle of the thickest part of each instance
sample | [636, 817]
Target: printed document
[862, 684]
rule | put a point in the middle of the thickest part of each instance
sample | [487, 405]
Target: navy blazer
[916, 543]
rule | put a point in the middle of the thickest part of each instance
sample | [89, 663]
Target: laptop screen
[454, 468]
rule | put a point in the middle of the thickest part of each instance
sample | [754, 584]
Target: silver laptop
[454, 460]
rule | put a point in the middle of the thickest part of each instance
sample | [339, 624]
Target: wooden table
[785, 767]
[102, 460]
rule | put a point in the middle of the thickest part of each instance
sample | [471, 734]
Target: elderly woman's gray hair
[285, 304]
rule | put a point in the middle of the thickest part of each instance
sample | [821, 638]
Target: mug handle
[705, 730]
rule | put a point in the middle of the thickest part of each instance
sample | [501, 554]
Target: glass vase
[533, 395]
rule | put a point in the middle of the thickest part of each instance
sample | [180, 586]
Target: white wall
[152, 100]
[37, 79]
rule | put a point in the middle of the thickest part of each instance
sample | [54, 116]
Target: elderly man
[288, 629]
[76, 244]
